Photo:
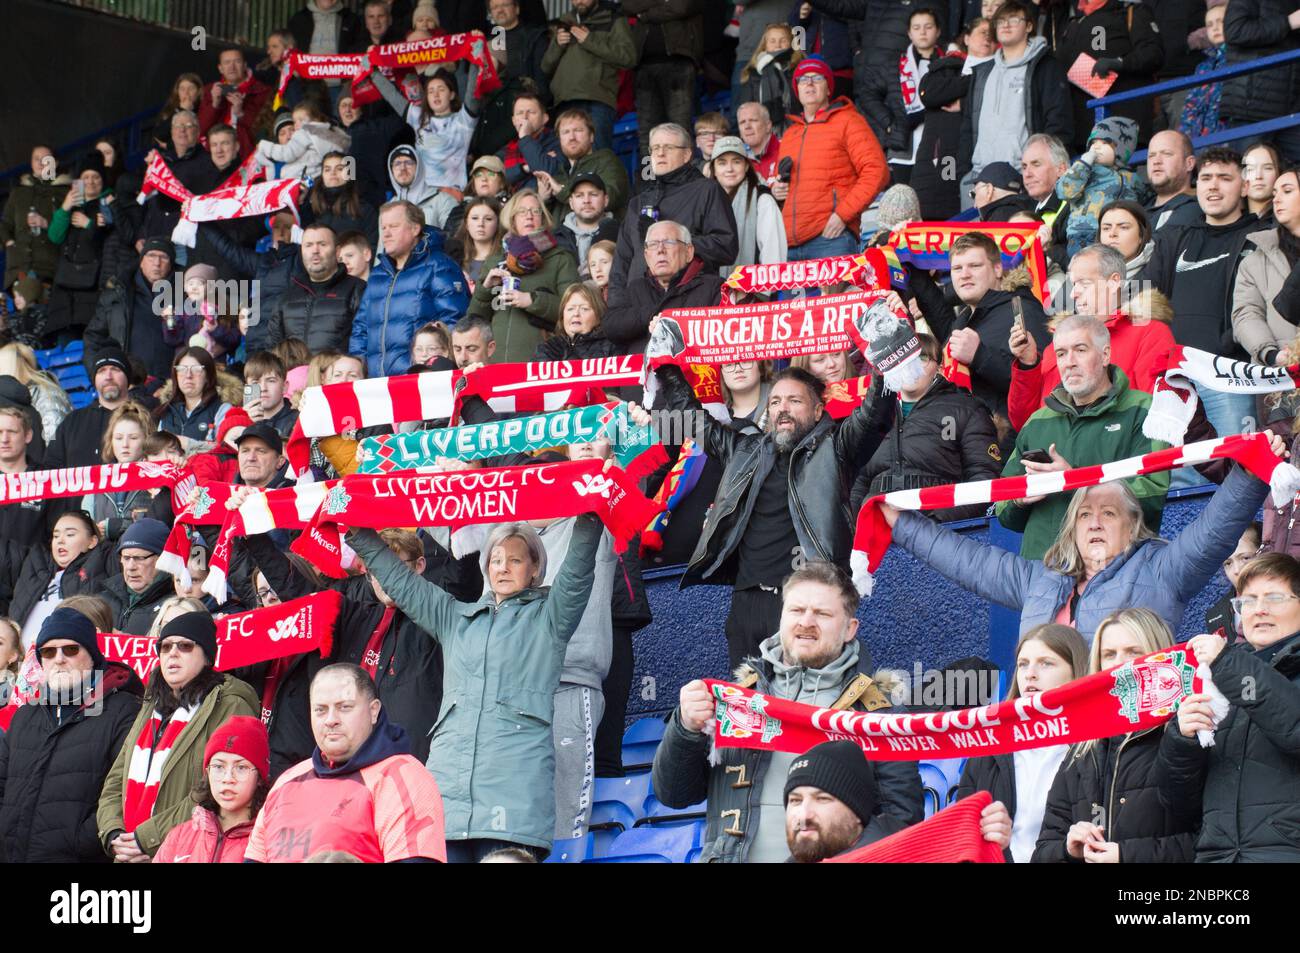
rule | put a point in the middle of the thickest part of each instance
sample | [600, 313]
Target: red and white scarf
[1173, 396]
[145, 769]
[236, 201]
[873, 535]
[472, 497]
[910, 72]
[531, 387]
[869, 270]
[245, 638]
[158, 177]
[1135, 696]
[82, 481]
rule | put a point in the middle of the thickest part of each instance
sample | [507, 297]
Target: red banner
[1135, 696]
[82, 481]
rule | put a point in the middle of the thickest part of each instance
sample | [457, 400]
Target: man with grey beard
[783, 496]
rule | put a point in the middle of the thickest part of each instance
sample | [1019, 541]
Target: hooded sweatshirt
[380, 805]
[1003, 123]
[811, 686]
[586, 660]
[434, 203]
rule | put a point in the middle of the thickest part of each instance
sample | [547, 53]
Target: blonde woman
[123, 442]
[767, 77]
[1103, 807]
[48, 399]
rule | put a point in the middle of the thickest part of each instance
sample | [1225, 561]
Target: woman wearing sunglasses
[146, 793]
[230, 791]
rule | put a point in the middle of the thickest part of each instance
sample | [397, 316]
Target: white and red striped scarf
[236, 201]
[144, 772]
[1173, 396]
[158, 177]
[531, 387]
[873, 535]
[909, 79]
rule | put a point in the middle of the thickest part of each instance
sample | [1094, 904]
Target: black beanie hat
[841, 770]
[65, 623]
[198, 627]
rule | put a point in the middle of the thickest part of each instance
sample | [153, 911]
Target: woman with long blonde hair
[1103, 807]
[48, 398]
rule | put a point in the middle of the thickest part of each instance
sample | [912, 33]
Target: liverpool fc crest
[1155, 684]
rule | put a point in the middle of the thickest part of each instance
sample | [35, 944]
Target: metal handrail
[130, 148]
[1200, 79]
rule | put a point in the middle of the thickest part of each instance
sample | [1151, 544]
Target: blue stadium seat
[573, 850]
[44, 357]
[81, 398]
[951, 768]
[620, 802]
[660, 815]
[73, 376]
[934, 787]
[652, 845]
[640, 742]
[70, 355]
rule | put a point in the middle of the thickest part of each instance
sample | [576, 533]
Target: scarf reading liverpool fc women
[1134, 696]
[873, 534]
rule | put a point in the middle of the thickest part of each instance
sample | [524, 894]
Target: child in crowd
[1098, 177]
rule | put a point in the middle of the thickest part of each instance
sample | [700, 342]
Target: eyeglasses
[663, 149]
[181, 646]
[138, 559]
[1273, 600]
[240, 772]
[187, 370]
[811, 78]
[264, 594]
[665, 243]
[69, 651]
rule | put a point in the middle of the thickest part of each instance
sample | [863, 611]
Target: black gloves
[1104, 67]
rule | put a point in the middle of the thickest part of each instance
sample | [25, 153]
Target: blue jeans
[602, 117]
[820, 247]
[1229, 413]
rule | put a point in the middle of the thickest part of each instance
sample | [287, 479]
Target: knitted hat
[92, 161]
[114, 356]
[1120, 132]
[841, 770]
[163, 245]
[282, 120]
[147, 534]
[899, 204]
[814, 64]
[198, 627]
[236, 416]
[242, 735]
[202, 272]
[65, 623]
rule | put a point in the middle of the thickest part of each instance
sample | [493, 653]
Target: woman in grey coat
[1103, 560]
[492, 751]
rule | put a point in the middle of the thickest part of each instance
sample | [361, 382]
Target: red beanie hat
[813, 64]
[950, 836]
[244, 736]
[235, 417]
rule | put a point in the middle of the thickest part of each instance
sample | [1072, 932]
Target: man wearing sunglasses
[59, 747]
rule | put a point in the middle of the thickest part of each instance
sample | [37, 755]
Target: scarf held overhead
[83, 481]
[777, 329]
[246, 638]
[926, 245]
[467, 497]
[634, 447]
[158, 177]
[236, 201]
[873, 534]
[531, 387]
[1135, 696]
[873, 269]
[1173, 396]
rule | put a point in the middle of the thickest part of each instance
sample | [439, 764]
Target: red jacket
[838, 167]
[256, 96]
[202, 841]
[1137, 349]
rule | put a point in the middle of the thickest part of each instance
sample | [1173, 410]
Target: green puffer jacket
[31, 254]
[589, 70]
[180, 773]
[518, 331]
[492, 751]
[1110, 429]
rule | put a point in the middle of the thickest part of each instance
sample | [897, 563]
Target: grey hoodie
[1003, 126]
[434, 203]
[811, 686]
[586, 660]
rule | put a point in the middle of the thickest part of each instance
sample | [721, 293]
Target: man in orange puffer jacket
[838, 168]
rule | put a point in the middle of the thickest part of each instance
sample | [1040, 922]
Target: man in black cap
[588, 220]
[999, 193]
[78, 441]
[261, 457]
[129, 314]
[819, 826]
[60, 746]
[138, 594]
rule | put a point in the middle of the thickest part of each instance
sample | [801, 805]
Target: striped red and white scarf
[873, 535]
[148, 759]
[530, 387]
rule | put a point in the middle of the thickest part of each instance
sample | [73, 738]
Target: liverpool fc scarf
[246, 638]
[149, 756]
[1173, 398]
[637, 449]
[532, 387]
[468, 497]
[873, 534]
[952, 836]
[873, 269]
[1135, 696]
[83, 481]
[926, 245]
[236, 201]
[769, 330]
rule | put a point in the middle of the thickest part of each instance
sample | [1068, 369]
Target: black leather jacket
[822, 470]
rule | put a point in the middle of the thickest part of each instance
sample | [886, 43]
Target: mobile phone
[1017, 314]
[1036, 456]
[252, 393]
